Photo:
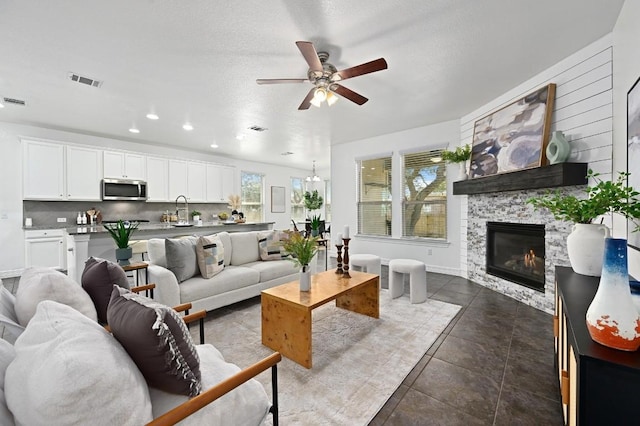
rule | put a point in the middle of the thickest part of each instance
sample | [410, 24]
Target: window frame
[385, 202]
[243, 204]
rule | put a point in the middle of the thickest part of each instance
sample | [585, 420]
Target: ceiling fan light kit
[325, 77]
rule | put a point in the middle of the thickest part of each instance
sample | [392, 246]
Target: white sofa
[244, 275]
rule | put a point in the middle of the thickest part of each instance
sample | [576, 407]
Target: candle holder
[339, 268]
[345, 265]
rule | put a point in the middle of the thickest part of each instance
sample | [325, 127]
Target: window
[297, 199]
[251, 195]
[374, 196]
[424, 205]
[327, 201]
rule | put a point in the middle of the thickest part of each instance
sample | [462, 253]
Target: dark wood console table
[598, 385]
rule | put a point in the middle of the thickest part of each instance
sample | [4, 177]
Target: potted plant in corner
[460, 155]
[302, 251]
[585, 244]
[315, 225]
[120, 232]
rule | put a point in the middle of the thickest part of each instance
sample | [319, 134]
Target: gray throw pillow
[157, 340]
[98, 278]
[181, 257]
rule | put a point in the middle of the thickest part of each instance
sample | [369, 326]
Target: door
[48, 252]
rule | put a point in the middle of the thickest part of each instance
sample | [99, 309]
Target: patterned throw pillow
[270, 246]
[210, 254]
[157, 340]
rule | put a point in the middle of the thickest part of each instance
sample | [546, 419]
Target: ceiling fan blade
[310, 55]
[307, 101]
[280, 80]
[349, 94]
[369, 67]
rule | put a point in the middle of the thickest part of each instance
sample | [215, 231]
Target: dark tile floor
[493, 364]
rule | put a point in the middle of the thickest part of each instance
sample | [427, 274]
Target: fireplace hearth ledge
[556, 175]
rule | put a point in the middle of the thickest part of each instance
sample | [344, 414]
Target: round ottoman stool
[369, 263]
[417, 279]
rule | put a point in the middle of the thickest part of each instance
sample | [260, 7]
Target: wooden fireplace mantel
[563, 174]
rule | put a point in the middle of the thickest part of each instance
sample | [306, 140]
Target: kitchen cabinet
[43, 171]
[61, 172]
[124, 165]
[196, 182]
[177, 178]
[45, 248]
[598, 385]
[220, 183]
[84, 172]
[158, 179]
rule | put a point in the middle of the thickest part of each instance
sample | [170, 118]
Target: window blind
[374, 196]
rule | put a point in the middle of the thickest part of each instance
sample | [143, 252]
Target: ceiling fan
[325, 77]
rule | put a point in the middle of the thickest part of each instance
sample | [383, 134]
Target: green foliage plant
[195, 213]
[313, 200]
[604, 197]
[120, 232]
[300, 248]
[460, 154]
[315, 222]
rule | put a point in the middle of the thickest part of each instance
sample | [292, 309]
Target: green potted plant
[302, 251]
[585, 244]
[120, 232]
[315, 225]
[195, 215]
[460, 155]
[313, 200]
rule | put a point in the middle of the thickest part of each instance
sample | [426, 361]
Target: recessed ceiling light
[187, 126]
[152, 116]
[134, 130]
[240, 136]
[214, 145]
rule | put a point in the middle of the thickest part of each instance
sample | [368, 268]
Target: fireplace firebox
[515, 252]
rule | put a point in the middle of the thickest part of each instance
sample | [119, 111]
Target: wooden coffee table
[286, 311]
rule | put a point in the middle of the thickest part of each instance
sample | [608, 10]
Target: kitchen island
[86, 241]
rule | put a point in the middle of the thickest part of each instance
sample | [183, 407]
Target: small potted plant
[121, 232]
[315, 225]
[302, 251]
[460, 155]
[585, 244]
[313, 200]
[195, 216]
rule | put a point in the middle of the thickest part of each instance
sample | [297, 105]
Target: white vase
[612, 318]
[585, 246]
[462, 173]
[305, 278]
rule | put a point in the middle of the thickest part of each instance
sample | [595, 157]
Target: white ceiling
[198, 60]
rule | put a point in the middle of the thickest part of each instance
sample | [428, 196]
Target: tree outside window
[425, 195]
[374, 196]
[297, 199]
[252, 196]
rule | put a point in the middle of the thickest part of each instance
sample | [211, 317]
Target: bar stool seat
[369, 263]
[417, 279]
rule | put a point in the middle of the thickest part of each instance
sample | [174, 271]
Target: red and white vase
[612, 318]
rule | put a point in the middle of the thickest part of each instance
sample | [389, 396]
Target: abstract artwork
[633, 153]
[514, 137]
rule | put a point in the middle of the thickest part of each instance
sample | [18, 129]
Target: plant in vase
[315, 225]
[460, 155]
[302, 251]
[313, 200]
[195, 215]
[121, 232]
[585, 244]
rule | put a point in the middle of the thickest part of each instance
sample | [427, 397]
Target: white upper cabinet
[220, 183]
[124, 165]
[177, 179]
[157, 179]
[43, 171]
[84, 171]
[58, 172]
[196, 182]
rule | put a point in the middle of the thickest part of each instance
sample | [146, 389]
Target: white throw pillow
[248, 404]
[245, 248]
[69, 370]
[38, 284]
[155, 250]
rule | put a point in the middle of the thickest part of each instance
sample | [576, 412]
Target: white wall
[626, 70]
[11, 233]
[444, 256]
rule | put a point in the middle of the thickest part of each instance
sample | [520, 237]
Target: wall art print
[633, 153]
[514, 137]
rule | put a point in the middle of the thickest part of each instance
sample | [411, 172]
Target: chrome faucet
[185, 209]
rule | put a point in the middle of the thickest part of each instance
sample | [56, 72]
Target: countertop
[151, 227]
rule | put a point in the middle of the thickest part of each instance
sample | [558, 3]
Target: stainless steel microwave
[124, 189]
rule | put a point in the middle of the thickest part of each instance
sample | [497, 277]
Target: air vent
[258, 128]
[84, 80]
[14, 101]
[287, 153]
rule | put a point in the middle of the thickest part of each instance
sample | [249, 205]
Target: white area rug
[358, 361]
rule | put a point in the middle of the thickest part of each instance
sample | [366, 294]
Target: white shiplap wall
[582, 110]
